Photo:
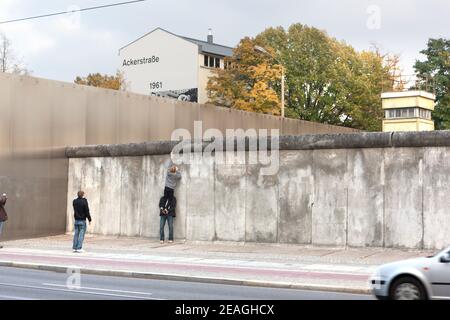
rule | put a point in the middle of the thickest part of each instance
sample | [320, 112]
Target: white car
[414, 279]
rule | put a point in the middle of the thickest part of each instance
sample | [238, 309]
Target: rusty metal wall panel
[162, 118]
[102, 117]
[68, 117]
[133, 119]
[186, 115]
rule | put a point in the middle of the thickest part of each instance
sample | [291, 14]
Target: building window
[401, 113]
[211, 62]
[408, 113]
[425, 114]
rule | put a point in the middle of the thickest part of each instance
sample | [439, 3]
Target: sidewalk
[281, 266]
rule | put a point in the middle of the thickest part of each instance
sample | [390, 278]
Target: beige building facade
[408, 111]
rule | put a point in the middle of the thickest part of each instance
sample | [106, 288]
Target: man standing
[81, 213]
[168, 203]
[3, 214]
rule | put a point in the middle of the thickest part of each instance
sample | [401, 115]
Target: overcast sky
[66, 46]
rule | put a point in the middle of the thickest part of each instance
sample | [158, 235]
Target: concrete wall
[39, 118]
[329, 191]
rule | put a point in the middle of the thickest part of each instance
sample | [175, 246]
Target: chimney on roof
[210, 36]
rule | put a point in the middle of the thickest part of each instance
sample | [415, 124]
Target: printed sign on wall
[161, 64]
[190, 95]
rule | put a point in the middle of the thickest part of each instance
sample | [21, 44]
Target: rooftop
[404, 94]
[204, 46]
[213, 48]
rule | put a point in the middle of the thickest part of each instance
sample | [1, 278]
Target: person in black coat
[81, 213]
[3, 214]
[167, 207]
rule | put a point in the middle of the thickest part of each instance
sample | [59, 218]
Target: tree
[435, 70]
[397, 82]
[249, 83]
[8, 60]
[115, 82]
[326, 80]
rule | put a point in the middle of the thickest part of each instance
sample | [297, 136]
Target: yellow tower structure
[408, 111]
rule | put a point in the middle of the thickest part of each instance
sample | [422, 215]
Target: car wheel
[407, 288]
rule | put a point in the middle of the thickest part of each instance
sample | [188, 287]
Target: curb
[183, 278]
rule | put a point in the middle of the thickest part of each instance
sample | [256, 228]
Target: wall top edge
[360, 140]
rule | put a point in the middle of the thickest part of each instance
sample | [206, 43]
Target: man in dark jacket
[168, 203]
[3, 214]
[81, 213]
[167, 206]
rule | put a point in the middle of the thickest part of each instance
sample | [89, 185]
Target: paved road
[23, 284]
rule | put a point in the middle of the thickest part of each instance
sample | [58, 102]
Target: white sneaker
[75, 251]
[80, 251]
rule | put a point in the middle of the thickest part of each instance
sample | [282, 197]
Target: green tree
[435, 69]
[326, 80]
[115, 82]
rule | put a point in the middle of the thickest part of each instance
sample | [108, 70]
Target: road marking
[15, 298]
[77, 291]
[367, 272]
[99, 289]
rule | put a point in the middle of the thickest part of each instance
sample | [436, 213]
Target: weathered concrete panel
[182, 203]
[436, 198]
[403, 198]
[261, 206]
[200, 200]
[329, 214]
[107, 219]
[296, 194]
[131, 196]
[359, 197]
[92, 173]
[229, 193]
[152, 191]
[366, 194]
[75, 184]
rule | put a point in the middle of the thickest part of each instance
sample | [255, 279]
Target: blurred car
[414, 279]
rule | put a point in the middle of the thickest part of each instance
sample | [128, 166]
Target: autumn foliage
[115, 82]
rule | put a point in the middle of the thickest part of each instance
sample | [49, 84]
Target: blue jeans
[162, 224]
[80, 231]
[1, 227]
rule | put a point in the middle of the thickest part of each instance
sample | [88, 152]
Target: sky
[64, 47]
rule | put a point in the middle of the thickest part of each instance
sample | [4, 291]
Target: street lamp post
[283, 77]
